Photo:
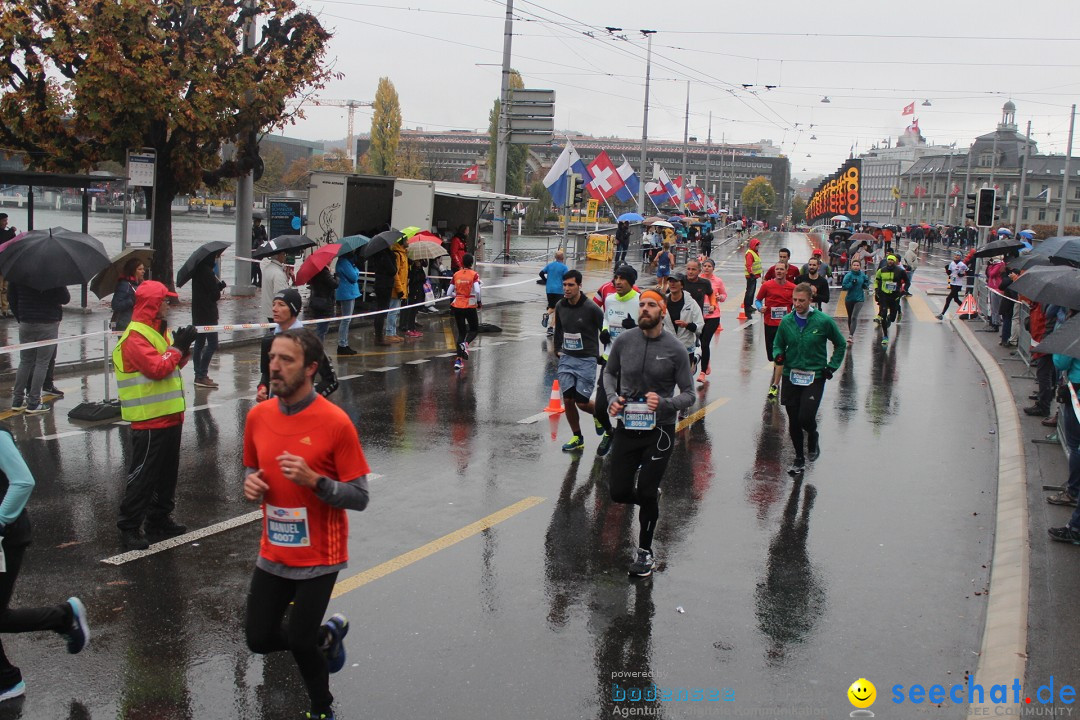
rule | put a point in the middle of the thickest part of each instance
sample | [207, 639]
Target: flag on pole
[629, 191]
[471, 175]
[556, 180]
[605, 178]
[909, 109]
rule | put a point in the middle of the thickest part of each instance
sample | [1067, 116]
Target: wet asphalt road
[778, 594]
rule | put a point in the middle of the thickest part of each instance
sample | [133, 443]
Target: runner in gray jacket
[644, 368]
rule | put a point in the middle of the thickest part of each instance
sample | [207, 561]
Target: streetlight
[926, 103]
[645, 124]
[826, 99]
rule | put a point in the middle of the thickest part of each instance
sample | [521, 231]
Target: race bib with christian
[287, 527]
[638, 416]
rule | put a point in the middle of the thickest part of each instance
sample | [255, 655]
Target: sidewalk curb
[1003, 656]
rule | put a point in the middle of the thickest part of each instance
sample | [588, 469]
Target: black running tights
[651, 450]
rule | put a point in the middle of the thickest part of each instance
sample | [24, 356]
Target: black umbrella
[201, 254]
[1000, 246]
[44, 259]
[1027, 261]
[382, 241]
[282, 243]
[1065, 340]
[1055, 285]
[1058, 246]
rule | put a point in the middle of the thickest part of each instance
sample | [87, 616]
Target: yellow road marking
[920, 309]
[691, 419]
[840, 310]
[406, 559]
[449, 335]
[378, 353]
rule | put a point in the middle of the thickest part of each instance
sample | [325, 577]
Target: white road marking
[207, 406]
[447, 354]
[417, 362]
[194, 535]
[57, 436]
[388, 368]
[534, 418]
[349, 377]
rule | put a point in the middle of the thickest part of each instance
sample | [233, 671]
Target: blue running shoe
[576, 443]
[337, 627]
[16, 690]
[78, 635]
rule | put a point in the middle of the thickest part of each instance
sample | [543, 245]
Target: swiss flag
[605, 178]
[471, 175]
[909, 109]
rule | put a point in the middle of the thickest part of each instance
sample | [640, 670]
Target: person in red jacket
[1044, 364]
[459, 245]
[774, 302]
[152, 399]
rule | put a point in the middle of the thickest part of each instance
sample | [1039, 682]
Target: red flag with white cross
[605, 178]
[471, 175]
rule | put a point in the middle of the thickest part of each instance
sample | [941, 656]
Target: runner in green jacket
[800, 348]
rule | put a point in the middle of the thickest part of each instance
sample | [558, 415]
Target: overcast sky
[870, 59]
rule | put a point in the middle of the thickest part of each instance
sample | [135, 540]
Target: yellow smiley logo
[862, 693]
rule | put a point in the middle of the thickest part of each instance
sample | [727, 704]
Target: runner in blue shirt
[552, 275]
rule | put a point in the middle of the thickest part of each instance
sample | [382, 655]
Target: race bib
[572, 341]
[287, 527]
[777, 313]
[802, 378]
[614, 332]
[638, 416]
[890, 286]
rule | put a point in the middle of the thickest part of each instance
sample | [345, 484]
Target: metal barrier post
[105, 358]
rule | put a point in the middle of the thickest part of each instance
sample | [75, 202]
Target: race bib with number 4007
[287, 527]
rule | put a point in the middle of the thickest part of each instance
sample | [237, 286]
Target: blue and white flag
[556, 181]
[629, 191]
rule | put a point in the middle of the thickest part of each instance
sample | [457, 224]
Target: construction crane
[352, 105]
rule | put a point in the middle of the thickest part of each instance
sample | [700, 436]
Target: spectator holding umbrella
[39, 313]
[258, 237]
[323, 289]
[348, 289]
[6, 234]
[206, 290]
[123, 299]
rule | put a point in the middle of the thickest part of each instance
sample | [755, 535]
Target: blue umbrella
[631, 217]
[675, 218]
[351, 243]
[1029, 234]
[1006, 232]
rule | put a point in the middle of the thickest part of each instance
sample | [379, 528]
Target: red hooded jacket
[141, 357]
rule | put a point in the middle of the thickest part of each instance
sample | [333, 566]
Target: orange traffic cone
[555, 403]
[742, 313]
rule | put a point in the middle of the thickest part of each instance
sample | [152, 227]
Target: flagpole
[1023, 178]
[645, 125]
[1065, 176]
[685, 142]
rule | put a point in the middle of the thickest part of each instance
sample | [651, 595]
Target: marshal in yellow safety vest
[142, 398]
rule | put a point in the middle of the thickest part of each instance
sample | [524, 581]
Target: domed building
[934, 188]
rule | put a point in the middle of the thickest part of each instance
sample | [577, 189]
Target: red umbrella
[316, 262]
[425, 236]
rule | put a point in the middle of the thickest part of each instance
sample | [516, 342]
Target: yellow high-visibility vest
[755, 267]
[140, 397]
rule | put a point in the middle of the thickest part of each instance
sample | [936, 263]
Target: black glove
[628, 322]
[184, 337]
[605, 337]
[827, 372]
[221, 285]
[692, 327]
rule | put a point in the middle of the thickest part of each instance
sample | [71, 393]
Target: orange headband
[655, 296]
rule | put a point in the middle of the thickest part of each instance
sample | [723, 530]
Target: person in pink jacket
[712, 316]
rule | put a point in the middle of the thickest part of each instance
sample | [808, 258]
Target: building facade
[882, 173]
[448, 154]
[934, 189]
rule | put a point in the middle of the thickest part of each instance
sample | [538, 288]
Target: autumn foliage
[82, 81]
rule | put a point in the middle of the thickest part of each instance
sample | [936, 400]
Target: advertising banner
[837, 194]
[285, 217]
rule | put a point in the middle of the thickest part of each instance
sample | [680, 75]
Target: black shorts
[553, 298]
[770, 335]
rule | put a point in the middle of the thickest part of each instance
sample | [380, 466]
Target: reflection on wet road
[487, 578]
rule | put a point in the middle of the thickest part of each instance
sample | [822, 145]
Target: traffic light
[972, 200]
[577, 185]
[571, 189]
[984, 213]
[999, 209]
